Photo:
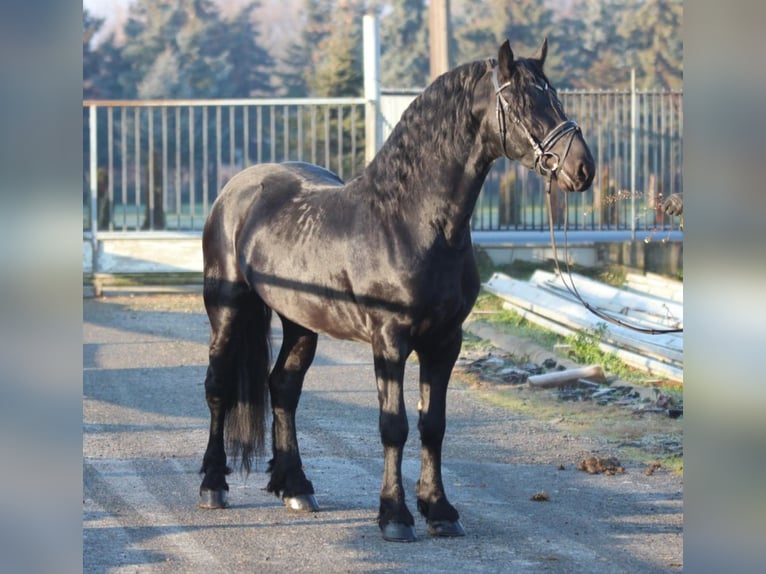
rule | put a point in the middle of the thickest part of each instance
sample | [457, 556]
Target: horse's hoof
[445, 528]
[397, 532]
[212, 499]
[302, 503]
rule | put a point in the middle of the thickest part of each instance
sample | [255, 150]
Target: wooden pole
[439, 33]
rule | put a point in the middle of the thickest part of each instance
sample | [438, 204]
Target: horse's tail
[247, 406]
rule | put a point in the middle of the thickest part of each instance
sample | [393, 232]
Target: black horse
[386, 259]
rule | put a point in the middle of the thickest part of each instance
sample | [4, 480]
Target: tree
[482, 26]
[303, 55]
[161, 33]
[657, 57]
[102, 64]
[338, 69]
[404, 58]
[250, 65]
[90, 62]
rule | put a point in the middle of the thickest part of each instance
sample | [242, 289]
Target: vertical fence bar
[110, 164]
[165, 183]
[286, 133]
[273, 133]
[218, 159]
[93, 156]
[313, 134]
[339, 129]
[137, 159]
[327, 137]
[179, 199]
[299, 118]
[259, 133]
[633, 154]
[124, 165]
[150, 158]
[246, 136]
[205, 178]
[192, 191]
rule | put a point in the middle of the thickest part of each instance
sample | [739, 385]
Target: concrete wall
[177, 253]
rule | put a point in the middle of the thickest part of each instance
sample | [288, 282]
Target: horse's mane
[439, 126]
[435, 125]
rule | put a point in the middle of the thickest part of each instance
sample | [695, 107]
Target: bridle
[544, 155]
[547, 162]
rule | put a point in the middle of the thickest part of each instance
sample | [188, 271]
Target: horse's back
[283, 179]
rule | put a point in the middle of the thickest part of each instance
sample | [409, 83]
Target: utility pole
[439, 34]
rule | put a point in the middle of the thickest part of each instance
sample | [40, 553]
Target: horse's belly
[330, 314]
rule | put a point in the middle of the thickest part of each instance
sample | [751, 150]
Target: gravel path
[145, 429]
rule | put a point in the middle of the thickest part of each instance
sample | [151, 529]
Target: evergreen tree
[338, 69]
[251, 65]
[483, 26]
[404, 58]
[658, 56]
[599, 52]
[163, 33]
[303, 55]
[90, 62]
[102, 64]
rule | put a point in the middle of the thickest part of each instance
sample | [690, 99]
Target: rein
[547, 163]
[570, 286]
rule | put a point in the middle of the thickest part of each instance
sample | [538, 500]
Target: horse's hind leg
[235, 384]
[285, 383]
[222, 315]
[435, 368]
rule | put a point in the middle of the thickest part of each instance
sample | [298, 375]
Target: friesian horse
[385, 259]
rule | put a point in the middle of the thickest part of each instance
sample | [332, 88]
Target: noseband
[547, 162]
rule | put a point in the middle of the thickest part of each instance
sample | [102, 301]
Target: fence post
[93, 151]
[372, 119]
[633, 128]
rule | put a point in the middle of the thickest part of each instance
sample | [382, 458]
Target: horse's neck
[432, 168]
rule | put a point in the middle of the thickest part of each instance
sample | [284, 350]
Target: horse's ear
[505, 57]
[542, 52]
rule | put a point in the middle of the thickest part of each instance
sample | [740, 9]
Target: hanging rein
[547, 164]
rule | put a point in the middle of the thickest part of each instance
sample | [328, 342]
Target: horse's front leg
[436, 364]
[394, 518]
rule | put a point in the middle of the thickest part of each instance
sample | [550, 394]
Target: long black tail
[247, 406]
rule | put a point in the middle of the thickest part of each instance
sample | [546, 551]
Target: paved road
[144, 431]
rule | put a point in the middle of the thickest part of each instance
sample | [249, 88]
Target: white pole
[373, 125]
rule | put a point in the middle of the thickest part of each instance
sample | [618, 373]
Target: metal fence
[159, 165]
[637, 141]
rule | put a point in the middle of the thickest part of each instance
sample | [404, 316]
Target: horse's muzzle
[576, 174]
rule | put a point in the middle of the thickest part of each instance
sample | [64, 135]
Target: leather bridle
[547, 162]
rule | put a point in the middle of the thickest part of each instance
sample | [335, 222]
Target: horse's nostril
[583, 173]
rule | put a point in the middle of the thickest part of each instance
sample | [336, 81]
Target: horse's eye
[541, 87]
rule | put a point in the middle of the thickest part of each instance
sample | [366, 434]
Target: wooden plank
[567, 377]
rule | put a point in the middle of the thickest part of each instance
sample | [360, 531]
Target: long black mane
[438, 126]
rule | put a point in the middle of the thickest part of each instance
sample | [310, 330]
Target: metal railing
[158, 165]
[637, 142]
